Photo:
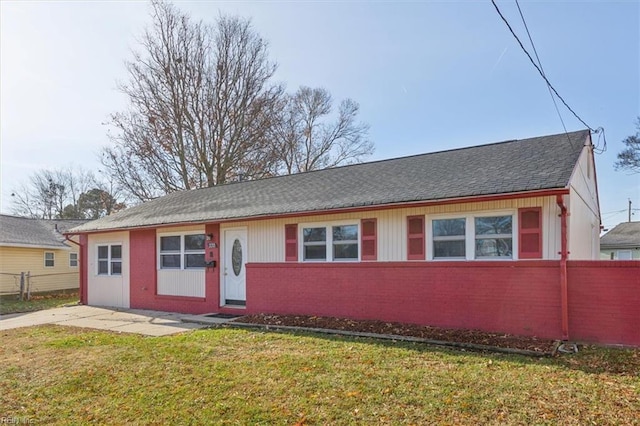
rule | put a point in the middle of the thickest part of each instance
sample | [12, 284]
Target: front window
[73, 260]
[472, 236]
[182, 251]
[494, 237]
[315, 243]
[330, 243]
[110, 259]
[449, 238]
[345, 242]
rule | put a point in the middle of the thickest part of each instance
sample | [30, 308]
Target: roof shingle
[506, 167]
[23, 231]
[623, 235]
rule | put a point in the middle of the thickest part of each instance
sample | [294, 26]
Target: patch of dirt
[542, 346]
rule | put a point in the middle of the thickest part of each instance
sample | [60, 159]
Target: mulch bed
[474, 337]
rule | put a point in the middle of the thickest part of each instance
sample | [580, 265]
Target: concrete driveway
[149, 323]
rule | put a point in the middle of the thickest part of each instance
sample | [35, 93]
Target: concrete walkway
[148, 323]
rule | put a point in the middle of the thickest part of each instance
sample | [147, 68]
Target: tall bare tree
[307, 138]
[200, 107]
[54, 194]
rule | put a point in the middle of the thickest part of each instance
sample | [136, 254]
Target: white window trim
[53, 259]
[77, 259]
[109, 259]
[470, 234]
[182, 251]
[329, 242]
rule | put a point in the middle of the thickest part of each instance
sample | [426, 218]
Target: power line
[535, 51]
[538, 68]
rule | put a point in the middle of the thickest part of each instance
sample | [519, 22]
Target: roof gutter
[372, 207]
[66, 237]
[625, 246]
[35, 246]
[564, 254]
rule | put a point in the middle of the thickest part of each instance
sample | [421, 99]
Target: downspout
[564, 254]
[81, 270]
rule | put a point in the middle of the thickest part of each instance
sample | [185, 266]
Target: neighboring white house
[622, 242]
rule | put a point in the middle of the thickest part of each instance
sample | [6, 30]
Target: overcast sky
[428, 75]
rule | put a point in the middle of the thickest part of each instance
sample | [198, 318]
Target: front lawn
[63, 375]
[11, 304]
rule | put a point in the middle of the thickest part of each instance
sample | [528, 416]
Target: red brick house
[479, 237]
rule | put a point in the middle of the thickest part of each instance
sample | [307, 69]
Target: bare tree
[307, 140]
[52, 194]
[63, 194]
[200, 107]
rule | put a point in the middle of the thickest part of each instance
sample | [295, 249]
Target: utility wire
[535, 51]
[538, 68]
[597, 148]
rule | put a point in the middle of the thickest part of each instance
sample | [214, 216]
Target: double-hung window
[49, 259]
[472, 237]
[110, 259]
[73, 260]
[331, 242]
[449, 238]
[494, 237]
[184, 251]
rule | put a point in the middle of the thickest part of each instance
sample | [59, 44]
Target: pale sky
[428, 75]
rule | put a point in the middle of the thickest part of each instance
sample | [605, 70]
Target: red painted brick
[604, 301]
[520, 298]
[143, 289]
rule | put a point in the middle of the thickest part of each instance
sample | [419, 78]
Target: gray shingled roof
[505, 167]
[22, 231]
[624, 235]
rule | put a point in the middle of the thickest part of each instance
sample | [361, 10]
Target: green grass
[60, 375]
[11, 304]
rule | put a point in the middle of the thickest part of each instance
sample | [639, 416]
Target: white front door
[233, 269]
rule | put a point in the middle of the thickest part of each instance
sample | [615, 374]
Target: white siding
[584, 223]
[104, 290]
[181, 283]
[266, 237]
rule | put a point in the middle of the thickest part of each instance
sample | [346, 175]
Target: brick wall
[512, 297]
[604, 301]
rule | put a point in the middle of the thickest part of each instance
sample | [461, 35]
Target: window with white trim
[181, 251]
[49, 259]
[624, 255]
[494, 237]
[449, 237]
[334, 242]
[73, 260]
[482, 237]
[109, 259]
